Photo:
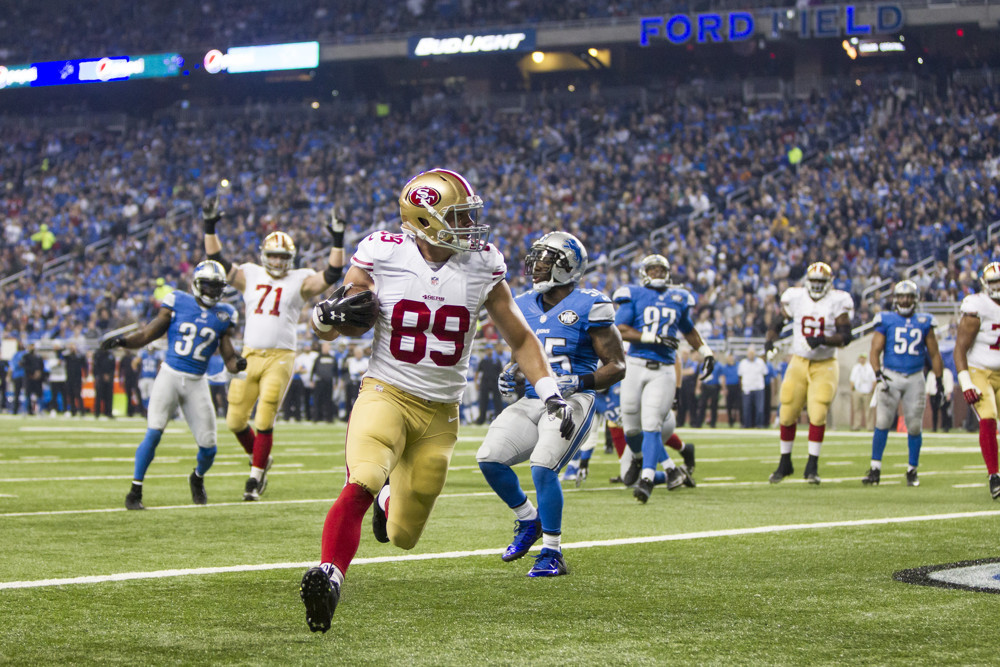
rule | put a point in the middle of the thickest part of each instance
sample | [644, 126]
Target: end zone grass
[711, 591]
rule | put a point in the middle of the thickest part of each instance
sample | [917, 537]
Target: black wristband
[209, 224]
[338, 239]
[331, 274]
[217, 256]
[587, 381]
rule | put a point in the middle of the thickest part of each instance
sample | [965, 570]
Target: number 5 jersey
[427, 318]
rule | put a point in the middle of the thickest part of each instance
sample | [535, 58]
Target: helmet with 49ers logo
[277, 254]
[440, 207]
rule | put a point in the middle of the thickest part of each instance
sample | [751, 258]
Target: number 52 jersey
[194, 331]
[427, 316]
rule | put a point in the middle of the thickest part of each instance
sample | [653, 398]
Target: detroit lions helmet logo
[572, 246]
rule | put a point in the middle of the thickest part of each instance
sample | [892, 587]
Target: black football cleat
[643, 490]
[676, 477]
[811, 474]
[688, 455]
[262, 484]
[320, 596]
[198, 495]
[911, 478]
[251, 491]
[379, 520]
[133, 501]
[872, 478]
[995, 486]
[781, 473]
[631, 475]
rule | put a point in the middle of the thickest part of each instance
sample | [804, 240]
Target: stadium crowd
[893, 179]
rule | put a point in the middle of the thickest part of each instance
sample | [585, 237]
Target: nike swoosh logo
[451, 419]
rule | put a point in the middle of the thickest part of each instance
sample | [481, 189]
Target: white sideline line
[731, 532]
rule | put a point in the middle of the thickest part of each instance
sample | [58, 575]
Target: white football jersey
[813, 318]
[985, 350]
[273, 306]
[427, 318]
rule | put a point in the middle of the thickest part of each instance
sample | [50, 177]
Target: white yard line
[731, 532]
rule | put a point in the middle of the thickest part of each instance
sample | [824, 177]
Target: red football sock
[816, 432]
[787, 433]
[673, 442]
[988, 444]
[618, 439]
[246, 437]
[262, 448]
[342, 529]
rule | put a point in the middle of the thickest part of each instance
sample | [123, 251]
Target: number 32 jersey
[812, 318]
[427, 318]
[194, 331]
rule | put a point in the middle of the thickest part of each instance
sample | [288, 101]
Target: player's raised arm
[211, 214]
[320, 281]
[154, 329]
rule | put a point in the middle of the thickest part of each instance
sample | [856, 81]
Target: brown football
[353, 331]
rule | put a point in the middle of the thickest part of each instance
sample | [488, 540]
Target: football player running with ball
[195, 326]
[902, 340]
[650, 316]
[977, 360]
[821, 320]
[274, 294]
[422, 290]
[576, 327]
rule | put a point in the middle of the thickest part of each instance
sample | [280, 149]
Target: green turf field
[682, 579]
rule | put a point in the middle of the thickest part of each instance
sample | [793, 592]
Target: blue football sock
[659, 477]
[145, 452]
[206, 456]
[914, 442]
[585, 456]
[879, 440]
[652, 449]
[504, 482]
[634, 442]
[550, 498]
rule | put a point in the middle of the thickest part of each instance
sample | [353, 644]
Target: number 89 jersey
[811, 318]
[564, 329]
[194, 331]
[427, 316]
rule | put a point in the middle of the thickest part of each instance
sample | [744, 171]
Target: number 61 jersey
[811, 318]
[194, 331]
[427, 318]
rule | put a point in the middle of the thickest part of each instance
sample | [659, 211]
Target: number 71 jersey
[811, 318]
[194, 331]
[427, 316]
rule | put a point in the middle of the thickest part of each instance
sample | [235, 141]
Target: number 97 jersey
[811, 318]
[427, 316]
[194, 331]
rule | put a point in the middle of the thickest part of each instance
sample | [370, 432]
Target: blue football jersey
[666, 313]
[905, 340]
[564, 329]
[194, 331]
[149, 363]
[608, 403]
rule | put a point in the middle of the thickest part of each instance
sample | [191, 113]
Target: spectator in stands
[487, 373]
[734, 394]
[687, 402]
[34, 378]
[752, 371]
[104, 382]
[862, 381]
[708, 401]
[17, 377]
[55, 368]
[356, 367]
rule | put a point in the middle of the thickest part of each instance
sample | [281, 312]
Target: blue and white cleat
[549, 563]
[570, 474]
[526, 533]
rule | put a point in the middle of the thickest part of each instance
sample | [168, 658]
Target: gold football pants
[267, 376]
[812, 384]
